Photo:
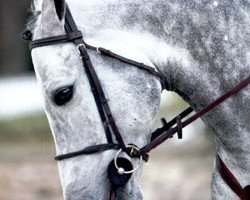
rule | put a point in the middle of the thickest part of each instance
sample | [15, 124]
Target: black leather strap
[94, 81]
[88, 150]
[147, 68]
[56, 40]
[167, 126]
[74, 35]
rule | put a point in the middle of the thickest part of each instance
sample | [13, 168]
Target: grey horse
[203, 49]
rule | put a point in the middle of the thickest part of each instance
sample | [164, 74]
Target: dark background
[14, 53]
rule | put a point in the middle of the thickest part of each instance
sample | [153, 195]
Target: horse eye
[63, 95]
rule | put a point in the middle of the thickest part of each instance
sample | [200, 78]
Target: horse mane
[34, 13]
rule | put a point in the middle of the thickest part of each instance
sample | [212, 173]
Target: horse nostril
[63, 95]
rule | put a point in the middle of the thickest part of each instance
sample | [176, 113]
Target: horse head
[133, 96]
[192, 42]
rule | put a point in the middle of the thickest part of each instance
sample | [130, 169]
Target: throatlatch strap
[147, 68]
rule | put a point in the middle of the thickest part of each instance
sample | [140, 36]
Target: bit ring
[120, 170]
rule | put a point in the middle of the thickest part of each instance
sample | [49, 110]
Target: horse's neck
[173, 36]
[201, 56]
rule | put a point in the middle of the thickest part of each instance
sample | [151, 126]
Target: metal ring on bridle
[98, 51]
[79, 45]
[120, 169]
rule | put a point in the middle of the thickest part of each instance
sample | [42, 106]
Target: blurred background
[177, 170]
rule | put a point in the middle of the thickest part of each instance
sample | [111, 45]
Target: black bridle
[109, 124]
[119, 178]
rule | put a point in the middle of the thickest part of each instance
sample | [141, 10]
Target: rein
[166, 134]
[120, 169]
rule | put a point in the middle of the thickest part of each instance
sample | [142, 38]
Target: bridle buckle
[133, 151]
[81, 45]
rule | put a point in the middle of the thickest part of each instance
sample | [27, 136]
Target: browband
[70, 37]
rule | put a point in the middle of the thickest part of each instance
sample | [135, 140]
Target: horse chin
[74, 192]
[82, 188]
[120, 194]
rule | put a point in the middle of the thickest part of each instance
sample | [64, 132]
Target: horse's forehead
[56, 62]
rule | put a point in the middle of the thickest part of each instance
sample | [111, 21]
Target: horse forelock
[34, 11]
